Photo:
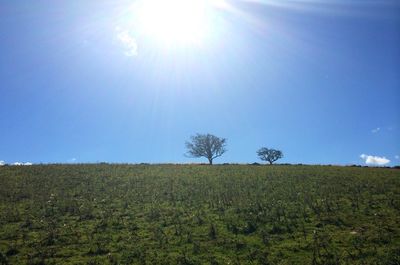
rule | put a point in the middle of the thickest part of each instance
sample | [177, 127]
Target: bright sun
[174, 21]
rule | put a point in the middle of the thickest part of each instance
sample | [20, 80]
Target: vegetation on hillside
[197, 214]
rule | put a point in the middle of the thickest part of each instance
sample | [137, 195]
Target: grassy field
[197, 214]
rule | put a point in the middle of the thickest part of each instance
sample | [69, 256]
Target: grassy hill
[196, 214]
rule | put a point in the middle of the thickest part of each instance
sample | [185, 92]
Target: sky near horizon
[85, 81]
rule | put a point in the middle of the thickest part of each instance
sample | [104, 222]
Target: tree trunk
[270, 162]
[210, 161]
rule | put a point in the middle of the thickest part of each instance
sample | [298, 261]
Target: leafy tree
[270, 155]
[206, 145]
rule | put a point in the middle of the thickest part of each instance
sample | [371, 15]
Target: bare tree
[206, 145]
[270, 155]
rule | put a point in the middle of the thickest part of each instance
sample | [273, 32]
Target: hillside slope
[196, 214]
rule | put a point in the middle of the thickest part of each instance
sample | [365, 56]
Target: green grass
[197, 214]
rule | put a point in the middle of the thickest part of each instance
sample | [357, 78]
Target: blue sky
[319, 80]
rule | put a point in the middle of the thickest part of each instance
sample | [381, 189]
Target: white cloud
[72, 160]
[374, 160]
[375, 130]
[128, 42]
[2, 163]
[22, 164]
[397, 157]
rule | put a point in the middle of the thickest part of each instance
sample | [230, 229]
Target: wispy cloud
[72, 160]
[374, 160]
[397, 156]
[2, 163]
[128, 42]
[376, 130]
[22, 164]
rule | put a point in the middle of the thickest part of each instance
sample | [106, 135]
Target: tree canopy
[270, 155]
[206, 145]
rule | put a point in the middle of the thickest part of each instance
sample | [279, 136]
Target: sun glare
[174, 21]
